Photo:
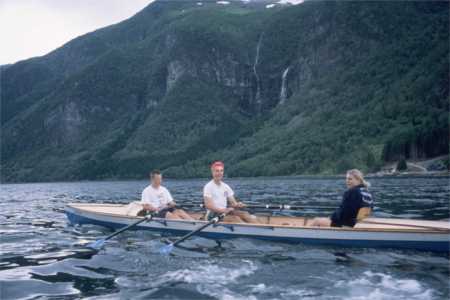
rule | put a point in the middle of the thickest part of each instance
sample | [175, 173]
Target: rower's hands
[240, 205]
[228, 210]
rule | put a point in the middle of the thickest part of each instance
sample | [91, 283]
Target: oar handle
[269, 206]
[288, 207]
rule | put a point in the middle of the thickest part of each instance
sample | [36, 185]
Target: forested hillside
[314, 88]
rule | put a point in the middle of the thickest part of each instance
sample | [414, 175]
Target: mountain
[314, 88]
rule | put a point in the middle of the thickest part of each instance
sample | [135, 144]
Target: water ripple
[41, 256]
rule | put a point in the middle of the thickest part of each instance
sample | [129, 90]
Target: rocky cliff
[314, 88]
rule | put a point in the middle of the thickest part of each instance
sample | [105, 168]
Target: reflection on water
[41, 256]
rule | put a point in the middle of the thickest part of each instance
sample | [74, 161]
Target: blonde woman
[355, 197]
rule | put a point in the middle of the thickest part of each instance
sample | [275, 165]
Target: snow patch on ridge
[294, 2]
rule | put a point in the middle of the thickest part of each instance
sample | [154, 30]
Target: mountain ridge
[308, 89]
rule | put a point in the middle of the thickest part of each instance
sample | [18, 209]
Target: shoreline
[306, 176]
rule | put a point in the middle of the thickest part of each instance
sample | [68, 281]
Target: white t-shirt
[218, 193]
[158, 198]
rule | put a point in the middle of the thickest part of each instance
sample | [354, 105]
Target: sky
[31, 28]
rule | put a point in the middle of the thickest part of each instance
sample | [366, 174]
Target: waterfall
[258, 92]
[283, 92]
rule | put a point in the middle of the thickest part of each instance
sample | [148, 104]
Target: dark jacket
[353, 199]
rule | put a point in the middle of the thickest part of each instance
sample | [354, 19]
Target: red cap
[217, 163]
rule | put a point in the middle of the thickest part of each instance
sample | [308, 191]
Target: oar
[98, 244]
[270, 206]
[256, 206]
[168, 248]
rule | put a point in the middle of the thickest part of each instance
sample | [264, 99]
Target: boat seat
[363, 213]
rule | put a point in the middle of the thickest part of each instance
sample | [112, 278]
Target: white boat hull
[389, 236]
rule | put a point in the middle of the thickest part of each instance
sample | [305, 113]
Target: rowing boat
[369, 233]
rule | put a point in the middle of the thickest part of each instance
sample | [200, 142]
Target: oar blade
[97, 245]
[166, 249]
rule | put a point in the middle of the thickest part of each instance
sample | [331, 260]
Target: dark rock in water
[44, 258]
[438, 165]
[42, 223]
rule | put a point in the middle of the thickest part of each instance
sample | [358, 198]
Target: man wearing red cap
[217, 194]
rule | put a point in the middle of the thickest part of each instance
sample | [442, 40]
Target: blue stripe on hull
[424, 246]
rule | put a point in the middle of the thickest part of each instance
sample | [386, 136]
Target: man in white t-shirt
[217, 194]
[156, 198]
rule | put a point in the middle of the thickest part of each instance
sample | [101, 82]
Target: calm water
[35, 262]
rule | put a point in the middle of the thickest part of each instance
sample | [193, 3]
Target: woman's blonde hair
[359, 176]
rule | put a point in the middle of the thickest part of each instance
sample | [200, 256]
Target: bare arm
[234, 203]
[209, 204]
